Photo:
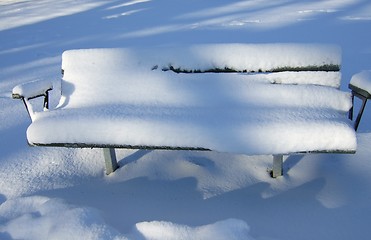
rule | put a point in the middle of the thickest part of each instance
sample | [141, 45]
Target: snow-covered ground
[57, 193]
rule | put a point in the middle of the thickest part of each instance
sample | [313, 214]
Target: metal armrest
[360, 85]
[31, 90]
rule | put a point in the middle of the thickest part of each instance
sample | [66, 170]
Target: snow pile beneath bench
[118, 97]
[45, 218]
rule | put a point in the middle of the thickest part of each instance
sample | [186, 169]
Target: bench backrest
[106, 76]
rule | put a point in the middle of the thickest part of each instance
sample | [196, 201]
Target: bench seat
[237, 130]
[221, 112]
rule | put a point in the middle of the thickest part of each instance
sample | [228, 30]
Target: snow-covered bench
[254, 99]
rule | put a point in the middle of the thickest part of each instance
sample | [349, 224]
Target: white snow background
[58, 193]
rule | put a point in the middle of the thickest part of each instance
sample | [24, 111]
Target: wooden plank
[92, 145]
[322, 68]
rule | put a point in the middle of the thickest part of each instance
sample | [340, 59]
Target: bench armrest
[360, 85]
[31, 90]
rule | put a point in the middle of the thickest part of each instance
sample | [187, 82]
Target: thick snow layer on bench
[112, 97]
[249, 57]
[240, 129]
[362, 80]
[239, 57]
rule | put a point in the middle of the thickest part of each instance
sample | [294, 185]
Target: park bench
[253, 99]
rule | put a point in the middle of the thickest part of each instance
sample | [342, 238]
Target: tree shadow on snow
[288, 214]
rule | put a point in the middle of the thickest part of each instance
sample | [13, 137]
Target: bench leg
[110, 160]
[351, 110]
[360, 113]
[277, 166]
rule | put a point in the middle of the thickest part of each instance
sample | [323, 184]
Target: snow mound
[43, 218]
[39, 218]
[230, 229]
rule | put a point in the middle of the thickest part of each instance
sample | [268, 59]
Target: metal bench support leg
[28, 108]
[46, 100]
[359, 116]
[351, 110]
[110, 159]
[277, 166]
